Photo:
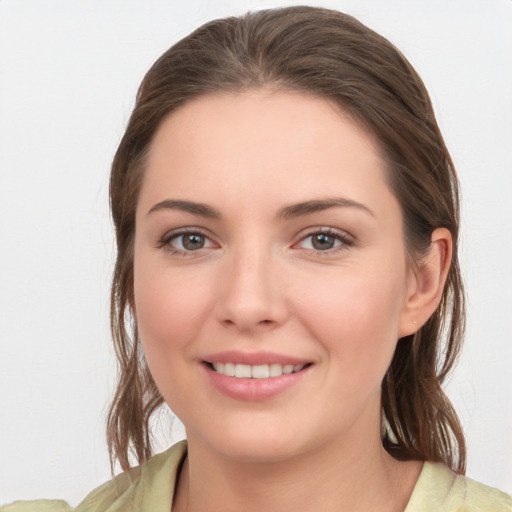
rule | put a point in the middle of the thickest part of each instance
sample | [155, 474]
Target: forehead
[262, 144]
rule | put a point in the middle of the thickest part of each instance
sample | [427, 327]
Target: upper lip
[253, 358]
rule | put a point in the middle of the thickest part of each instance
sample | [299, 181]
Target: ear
[426, 283]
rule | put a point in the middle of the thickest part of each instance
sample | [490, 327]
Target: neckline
[435, 481]
[163, 471]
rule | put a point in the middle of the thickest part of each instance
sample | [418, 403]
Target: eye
[189, 241]
[325, 240]
[185, 241]
[320, 242]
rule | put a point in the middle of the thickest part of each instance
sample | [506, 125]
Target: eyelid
[164, 242]
[345, 238]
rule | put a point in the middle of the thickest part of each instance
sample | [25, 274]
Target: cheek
[170, 308]
[170, 311]
[355, 316]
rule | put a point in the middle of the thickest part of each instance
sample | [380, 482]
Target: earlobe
[426, 283]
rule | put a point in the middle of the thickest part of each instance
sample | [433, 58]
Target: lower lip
[253, 390]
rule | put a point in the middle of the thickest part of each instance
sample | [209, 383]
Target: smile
[260, 371]
[254, 376]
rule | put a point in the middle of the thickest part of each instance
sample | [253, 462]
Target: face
[270, 273]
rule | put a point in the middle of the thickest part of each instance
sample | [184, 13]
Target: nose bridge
[250, 294]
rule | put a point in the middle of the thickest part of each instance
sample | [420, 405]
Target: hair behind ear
[419, 413]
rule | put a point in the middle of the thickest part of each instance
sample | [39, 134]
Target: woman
[286, 216]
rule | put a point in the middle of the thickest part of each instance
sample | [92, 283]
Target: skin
[259, 284]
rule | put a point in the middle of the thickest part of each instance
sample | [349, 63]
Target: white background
[68, 76]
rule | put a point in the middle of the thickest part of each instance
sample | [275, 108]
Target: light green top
[150, 488]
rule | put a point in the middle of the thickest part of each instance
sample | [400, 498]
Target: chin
[254, 442]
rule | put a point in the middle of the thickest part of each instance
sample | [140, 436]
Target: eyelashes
[185, 241]
[325, 241]
[319, 240]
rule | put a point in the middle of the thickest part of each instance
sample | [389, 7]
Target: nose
[251, 295]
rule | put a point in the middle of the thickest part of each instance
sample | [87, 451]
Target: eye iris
[193, 242]
[323, 242]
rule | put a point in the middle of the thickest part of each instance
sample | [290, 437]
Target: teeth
[229, 369]
[243, 371]
[276, 370]
[260, 371]
[219, 367]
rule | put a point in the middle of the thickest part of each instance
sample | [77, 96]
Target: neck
[341, 476]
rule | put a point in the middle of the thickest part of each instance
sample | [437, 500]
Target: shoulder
[439, 488]
[37, 506]
[146, 487]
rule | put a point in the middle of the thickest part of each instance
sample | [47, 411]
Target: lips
[254, 376]
[253, 358]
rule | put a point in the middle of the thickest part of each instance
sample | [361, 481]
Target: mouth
[260, 371]
[254, 376]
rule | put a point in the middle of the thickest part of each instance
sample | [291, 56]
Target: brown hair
[334, 56]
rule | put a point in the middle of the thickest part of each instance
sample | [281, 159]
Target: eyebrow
[291, 211]
[201, 209]
[318, 205]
